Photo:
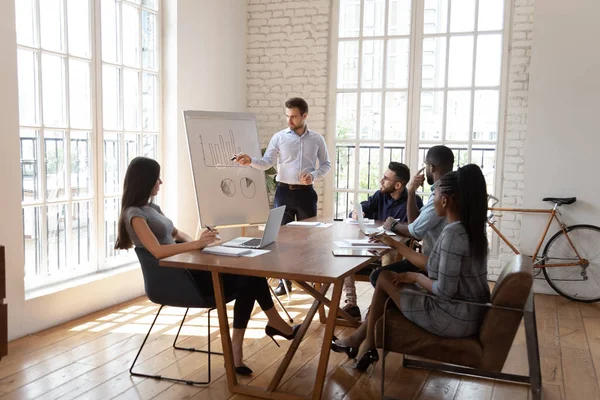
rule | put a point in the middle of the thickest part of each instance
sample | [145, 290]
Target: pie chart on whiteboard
[248, 188]
[228, 187]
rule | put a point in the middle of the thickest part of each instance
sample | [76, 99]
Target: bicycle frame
[554, 214]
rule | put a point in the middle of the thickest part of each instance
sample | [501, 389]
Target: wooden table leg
[348, 319]
[325, 347]
[322, 316]
[224, 328]
[287, 359]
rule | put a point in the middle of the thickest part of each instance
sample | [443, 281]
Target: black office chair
[174, 287]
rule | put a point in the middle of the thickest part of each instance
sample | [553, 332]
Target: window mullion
[358, 103]
[44, 270]
[67, 144]
[140, 75]
[98, 138]
[383, 88]
[159, 90]
[414, 90]
[503, 96]
[472, 110]
[122, 153]
[447, 70]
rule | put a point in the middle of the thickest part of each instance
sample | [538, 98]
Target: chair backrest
[167, 286]
[500, 326]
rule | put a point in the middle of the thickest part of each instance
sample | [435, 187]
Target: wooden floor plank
[571, 330]
[474, 388]
[89, 358]
[252, 348]
[592, 329]
[407, 383]
[580, 379]
[56, 334]
[439, 386]
[510, 391]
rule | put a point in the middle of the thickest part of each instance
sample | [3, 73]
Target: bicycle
[571, 258]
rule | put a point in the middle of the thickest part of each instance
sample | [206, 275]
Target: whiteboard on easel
[227, 193]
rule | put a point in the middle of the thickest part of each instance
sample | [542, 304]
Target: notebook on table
[269, 234]
[226, 251]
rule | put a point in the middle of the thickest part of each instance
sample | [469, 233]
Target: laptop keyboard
[252, 242]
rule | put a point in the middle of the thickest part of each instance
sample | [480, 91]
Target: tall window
[88, 103]
[411, 75]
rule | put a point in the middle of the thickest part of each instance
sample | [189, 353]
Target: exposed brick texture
[515, 129]
[287, 56]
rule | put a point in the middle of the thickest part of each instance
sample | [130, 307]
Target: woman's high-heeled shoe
[371, 356]
[243, 370]
[270, 332]
[351, 352]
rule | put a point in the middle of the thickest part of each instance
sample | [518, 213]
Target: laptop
[269, 234]
[361, 221]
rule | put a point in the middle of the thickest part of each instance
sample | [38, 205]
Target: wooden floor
[89, 358]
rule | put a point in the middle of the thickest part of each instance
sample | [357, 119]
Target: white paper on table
[313, 224]
[225, 251]
[345, 244]
[355, 222]
[363, 243]
[255, 253]
[389, 233]
[371, 222]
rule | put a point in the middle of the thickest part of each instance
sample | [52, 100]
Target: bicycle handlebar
[493, 199]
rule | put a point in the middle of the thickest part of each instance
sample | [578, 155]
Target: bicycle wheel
[580, 283]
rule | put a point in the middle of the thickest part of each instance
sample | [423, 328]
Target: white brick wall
[516, 128]
[288, 45]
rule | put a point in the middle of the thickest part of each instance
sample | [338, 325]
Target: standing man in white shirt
[296, 151]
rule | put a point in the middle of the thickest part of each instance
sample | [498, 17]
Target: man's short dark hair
[440, 156]
[299, 103]
[401, 170]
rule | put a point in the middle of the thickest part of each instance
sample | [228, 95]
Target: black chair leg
[193, 348]
[160, 377]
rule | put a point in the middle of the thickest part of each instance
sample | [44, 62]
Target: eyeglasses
[385, 178]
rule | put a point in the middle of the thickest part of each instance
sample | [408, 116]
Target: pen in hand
[211, 230]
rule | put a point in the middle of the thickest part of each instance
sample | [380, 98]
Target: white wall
[563, 137]
[206, 70]
[208, 40]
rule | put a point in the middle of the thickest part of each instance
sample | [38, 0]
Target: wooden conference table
[301, 254]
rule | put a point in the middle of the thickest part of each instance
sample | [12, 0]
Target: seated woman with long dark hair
[456, 269]
[143, 224]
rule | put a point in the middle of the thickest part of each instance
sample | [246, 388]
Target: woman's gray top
[161, 226]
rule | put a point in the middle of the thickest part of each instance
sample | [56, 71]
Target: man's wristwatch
[393, 225]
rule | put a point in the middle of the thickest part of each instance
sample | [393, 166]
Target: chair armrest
[528, 304]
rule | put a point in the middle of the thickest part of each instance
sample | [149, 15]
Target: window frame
[413, 143]
[38, 273]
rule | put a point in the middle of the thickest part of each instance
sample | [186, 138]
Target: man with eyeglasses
[390, 201]
[423, 224]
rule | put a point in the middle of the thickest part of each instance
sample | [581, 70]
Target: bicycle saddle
[561, 200]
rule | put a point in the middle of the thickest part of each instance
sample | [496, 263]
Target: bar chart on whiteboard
[219, 153]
